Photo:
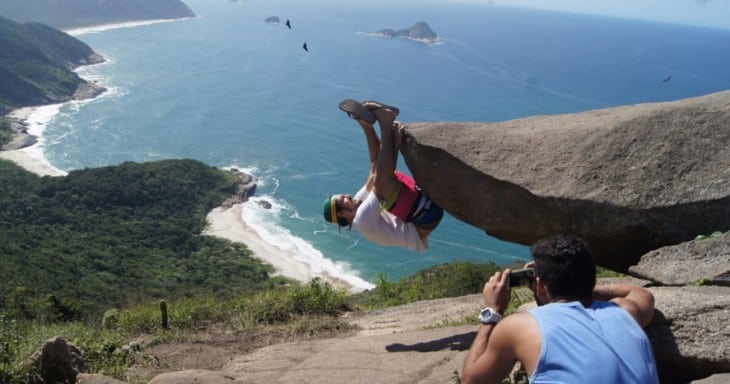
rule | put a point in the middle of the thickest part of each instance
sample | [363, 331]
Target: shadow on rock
[460, 342]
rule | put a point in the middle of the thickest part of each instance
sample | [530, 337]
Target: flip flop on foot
[372, 106]
[357, 111]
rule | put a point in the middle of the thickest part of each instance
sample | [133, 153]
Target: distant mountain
[420, 31]
[64, 14]
[36, 65]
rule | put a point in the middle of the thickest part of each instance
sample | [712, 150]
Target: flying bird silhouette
[305, 47]
[288, 24]
[667, 79]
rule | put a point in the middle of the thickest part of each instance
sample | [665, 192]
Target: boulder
[704, 261]
[626, 179]
[245, 189]
[689, 332]
[56, 362]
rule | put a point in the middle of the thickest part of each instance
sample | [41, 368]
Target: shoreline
[227, 223]
[26, 151]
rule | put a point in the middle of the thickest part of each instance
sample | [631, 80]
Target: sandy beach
[228, 224]
[31, 157]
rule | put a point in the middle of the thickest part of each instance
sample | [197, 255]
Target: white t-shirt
[381, 227]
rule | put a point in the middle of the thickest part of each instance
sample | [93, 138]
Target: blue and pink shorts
[411, 204]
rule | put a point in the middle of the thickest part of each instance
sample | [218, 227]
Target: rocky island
[420, 32]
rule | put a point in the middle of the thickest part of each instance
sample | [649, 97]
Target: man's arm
[491, 355]
[638, 301]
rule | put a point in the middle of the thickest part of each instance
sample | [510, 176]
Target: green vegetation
[5, 134]
[606, 273]
[447, 280]
[102, 238]
[282, 311]
[89, 256]
[36, 64]
[710, 236]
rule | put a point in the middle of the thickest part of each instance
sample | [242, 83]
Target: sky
[705, 13]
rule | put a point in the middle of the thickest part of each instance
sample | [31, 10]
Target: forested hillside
[75, 13]
[74, 246]
[36, 64]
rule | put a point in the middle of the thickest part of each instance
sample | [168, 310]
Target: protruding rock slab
[627, 179]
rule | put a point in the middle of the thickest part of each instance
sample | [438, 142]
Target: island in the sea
[420, 32]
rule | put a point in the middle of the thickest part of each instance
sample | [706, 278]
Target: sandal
[372, 106]
[357, 111]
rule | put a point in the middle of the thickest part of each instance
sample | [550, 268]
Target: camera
[521, 277]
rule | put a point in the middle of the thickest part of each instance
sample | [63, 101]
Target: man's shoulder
[518, 321]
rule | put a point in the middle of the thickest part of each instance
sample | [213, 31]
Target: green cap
[329, 210]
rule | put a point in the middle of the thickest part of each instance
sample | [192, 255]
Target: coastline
[26, 150]
[227, 223]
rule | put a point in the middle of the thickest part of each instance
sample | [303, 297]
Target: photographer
[579, 333]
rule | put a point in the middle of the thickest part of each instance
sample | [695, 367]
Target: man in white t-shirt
[390, 209]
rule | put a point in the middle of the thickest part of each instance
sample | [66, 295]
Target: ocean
[230, 90]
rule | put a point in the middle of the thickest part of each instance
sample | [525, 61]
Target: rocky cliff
[37, 66]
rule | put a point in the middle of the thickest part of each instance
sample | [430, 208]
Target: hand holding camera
[520, 277]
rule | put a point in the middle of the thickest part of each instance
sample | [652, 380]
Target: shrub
[444, 280]
[277, 305]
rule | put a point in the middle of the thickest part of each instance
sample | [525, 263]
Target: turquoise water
[230, 90]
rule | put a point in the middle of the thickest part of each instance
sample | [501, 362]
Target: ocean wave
[265, 222]
[263, 213]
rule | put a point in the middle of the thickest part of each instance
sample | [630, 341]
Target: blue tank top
[596, 345]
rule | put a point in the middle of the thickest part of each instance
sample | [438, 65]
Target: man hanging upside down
[390, 209]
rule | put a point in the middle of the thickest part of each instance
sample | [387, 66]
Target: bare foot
[385, 117]
[381, 111]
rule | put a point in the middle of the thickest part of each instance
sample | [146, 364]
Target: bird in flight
[305, 47]
[667, 79]
[288, 24]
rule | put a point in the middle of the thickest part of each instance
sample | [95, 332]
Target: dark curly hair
[341, 221]
[566, 265]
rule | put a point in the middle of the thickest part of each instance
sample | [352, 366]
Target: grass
[280, 312]
[285, 310]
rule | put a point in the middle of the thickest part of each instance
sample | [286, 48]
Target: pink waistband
[407, 197]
